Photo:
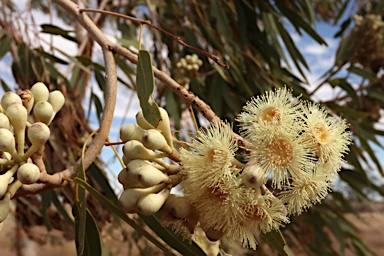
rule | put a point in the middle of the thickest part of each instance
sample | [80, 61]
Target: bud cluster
[187, 66]
[145, 178]
[16, 120]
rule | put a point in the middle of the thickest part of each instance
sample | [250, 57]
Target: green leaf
[277, 241]
[361, 72]
[60, 208]
[5, 46]
[80, 207]
[98, 105]
[173, 240]
[4, 85]
[54, 30]
[145, 86]
[344, 84]
[92, 242]
[46, 198]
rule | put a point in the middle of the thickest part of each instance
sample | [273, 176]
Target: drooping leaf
[172, 239]
[54, 30]
[92, 242]
[145, 86]
[277, 241]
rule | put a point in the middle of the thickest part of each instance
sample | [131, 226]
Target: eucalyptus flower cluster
[24, 121]
[293, 149]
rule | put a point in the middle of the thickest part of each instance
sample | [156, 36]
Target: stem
[149, 23]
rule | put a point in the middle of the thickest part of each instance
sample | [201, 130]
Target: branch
[94, 149]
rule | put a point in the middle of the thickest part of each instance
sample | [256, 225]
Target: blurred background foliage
[254, 38]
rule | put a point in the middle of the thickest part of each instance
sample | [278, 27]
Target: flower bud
[57, 100]
[5, 178]
[28, 173]
[149, 176]
[178, 206]
[4, 121]
[38, 134]
[131, 132]
[9, 98]
[142, 122]
[154, 140]
[40, 92]
[213, 235]
[127, 181]
[129, 198]
[43, 111]
[253, 176]
[7, 142]
[134, 149]
[151, 203]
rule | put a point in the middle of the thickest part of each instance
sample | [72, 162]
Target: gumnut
[4, 121]
[57, 100]
[9, 98]
[7, 143]
[127, 181]
[142, 122]
[4, 206]
[17, 115]
[4, 179]
[38, 134]
[178, 206]
[163, 125]
[151, 203]
[40, 92]
[213, 235]
[131, 132]
[149, 176]
[129, 198]
[134, 149]
[43, 111]
[154, 140]
[28, 173]
[252, 176]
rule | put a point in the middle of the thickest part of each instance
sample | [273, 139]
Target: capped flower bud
[151, 203]
[7, 143]
[28, 173]
[38, 134]
[142, 122]
[27, 99]
[40, 92]
[57, 100]
[4, 179]
[253, 176]
[195, 67]
[131, 132]
[213, 235]
[154, 140]
[149, 176]
[17, 115]
[4, 121]
[127, 181]
[129, 198]
[134, 166]
[43, 111]
[9, 98]
[4, 206]
[134, 149]
[178, 206]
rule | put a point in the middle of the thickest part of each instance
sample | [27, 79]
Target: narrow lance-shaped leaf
[145, 86]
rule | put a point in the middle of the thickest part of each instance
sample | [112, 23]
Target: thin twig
[149, 23]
